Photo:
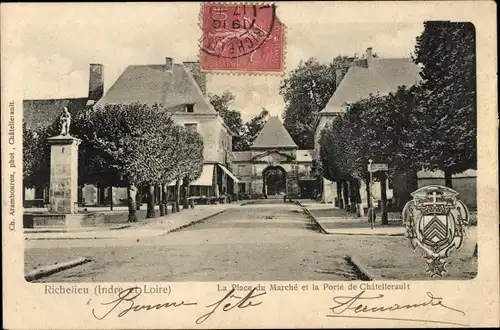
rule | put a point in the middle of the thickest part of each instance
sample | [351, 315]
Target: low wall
[37, 220]
[84, 219]
[465, 186]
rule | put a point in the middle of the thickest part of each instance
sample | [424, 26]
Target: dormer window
[189, 107]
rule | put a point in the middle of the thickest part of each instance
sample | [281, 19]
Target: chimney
[199, 76]
[96, 83]
[339, 74]
[169, 63]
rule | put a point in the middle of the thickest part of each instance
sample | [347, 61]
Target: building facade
[181, 88]
[373, 75]
[275, 165]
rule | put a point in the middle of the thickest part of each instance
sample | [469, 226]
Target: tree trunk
[111, 198]
[352, 195]
[177, 196]
[150, 213]
[185, 193]
[165, 197]
[448, 182]
[132, 194]
[101, 200]
[339, 195]
[138, 199]
[160, 201]
[383, 195]
[345, 192]
[359, 205]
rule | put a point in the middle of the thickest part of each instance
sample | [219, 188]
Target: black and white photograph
[237, 143]
[161, 171]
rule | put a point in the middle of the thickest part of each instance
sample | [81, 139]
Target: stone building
[181, 88]
[275, 165]
[373, 75]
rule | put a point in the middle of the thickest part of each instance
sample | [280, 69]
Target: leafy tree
[446, 134]
[134, 140]
[306, 92]
[378, 128]
[36, 155]
[246, 132]
[192, 160]
[222, 102]
[35, 160]
[254, 126]
[332, 156]
[232, 118]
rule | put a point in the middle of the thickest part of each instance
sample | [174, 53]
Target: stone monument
[63, 195]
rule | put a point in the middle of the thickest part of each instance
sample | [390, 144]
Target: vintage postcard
[249, 165]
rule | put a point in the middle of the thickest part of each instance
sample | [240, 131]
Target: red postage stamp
[241, 37]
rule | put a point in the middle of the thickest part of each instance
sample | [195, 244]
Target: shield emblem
[435, 231]
[435, 220]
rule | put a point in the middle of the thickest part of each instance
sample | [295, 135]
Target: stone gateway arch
[275, 165]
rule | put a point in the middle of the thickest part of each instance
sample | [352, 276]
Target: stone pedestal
[63, 195]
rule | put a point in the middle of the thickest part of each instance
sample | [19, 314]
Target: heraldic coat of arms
[435, 223]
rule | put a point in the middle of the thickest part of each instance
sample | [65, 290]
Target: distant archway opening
[274, 178]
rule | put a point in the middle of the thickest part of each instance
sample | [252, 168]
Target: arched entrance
[274, 178]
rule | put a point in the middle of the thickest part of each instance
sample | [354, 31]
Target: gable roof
[38, 113]
[379, 75]
[152, 84]
[274, 135]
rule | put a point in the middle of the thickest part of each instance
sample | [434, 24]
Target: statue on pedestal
[65, 120]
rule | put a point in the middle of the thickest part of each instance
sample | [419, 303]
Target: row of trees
[123, 145]
[430, 126]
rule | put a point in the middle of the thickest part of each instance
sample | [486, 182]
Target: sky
[56, 43]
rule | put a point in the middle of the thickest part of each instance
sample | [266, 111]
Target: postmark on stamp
[241, 37]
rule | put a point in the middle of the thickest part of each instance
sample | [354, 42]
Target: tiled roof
[39, 113]
[381, 75]
[152, 84]
[274, 135]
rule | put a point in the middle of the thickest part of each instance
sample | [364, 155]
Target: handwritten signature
[126, 302]
[343, 306]
[243, 302]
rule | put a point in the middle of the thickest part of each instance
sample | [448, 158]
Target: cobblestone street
[267, 241]
[254, 242]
